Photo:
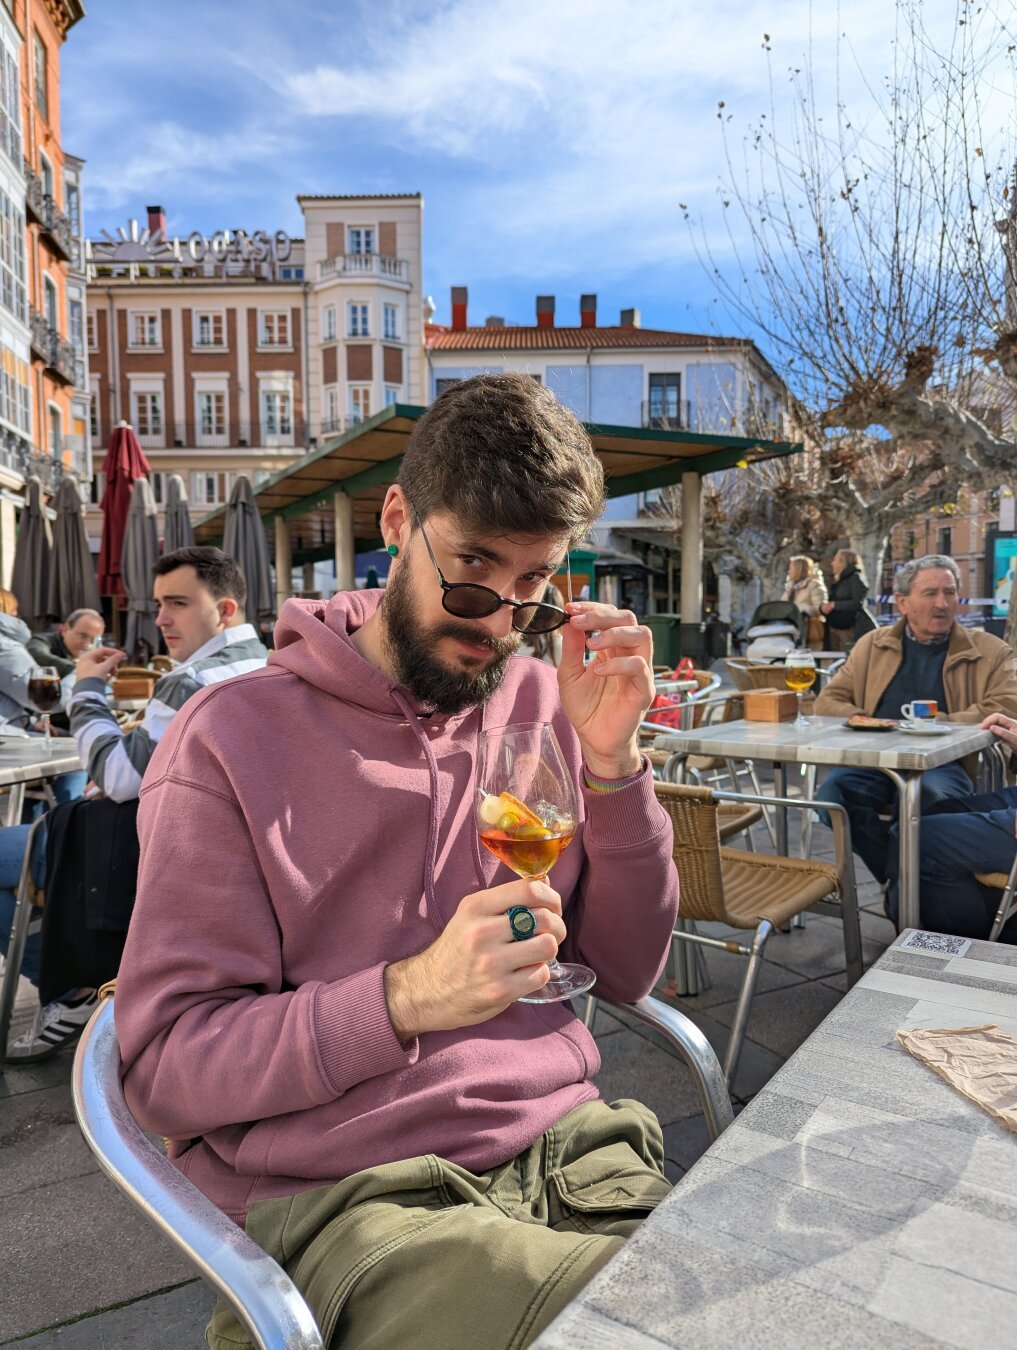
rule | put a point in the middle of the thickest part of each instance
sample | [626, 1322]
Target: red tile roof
[442, 339]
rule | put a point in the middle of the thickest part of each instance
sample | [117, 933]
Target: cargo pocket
[599, 1194]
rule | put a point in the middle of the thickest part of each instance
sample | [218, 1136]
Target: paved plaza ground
[82, 1271]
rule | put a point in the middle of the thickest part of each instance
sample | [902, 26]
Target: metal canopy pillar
[283, 563]
[345, 546]
[691, 606]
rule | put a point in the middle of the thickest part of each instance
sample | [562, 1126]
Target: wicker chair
[746, 890]
[1005, 882]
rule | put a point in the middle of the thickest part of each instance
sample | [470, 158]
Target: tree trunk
[870, 540]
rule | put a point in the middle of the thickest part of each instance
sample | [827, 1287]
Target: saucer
[926, 728]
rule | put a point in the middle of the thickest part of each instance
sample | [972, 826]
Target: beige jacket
[808, 595]
[979, 676]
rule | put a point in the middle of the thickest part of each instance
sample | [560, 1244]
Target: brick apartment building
[236, 353]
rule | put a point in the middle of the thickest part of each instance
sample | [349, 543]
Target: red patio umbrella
[125, 461]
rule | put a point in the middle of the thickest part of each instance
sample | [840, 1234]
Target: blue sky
[552, 139]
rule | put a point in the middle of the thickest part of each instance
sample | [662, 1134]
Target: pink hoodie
[301, 827]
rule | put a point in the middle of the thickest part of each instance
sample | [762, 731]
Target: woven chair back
[747, 675]
[693, 815]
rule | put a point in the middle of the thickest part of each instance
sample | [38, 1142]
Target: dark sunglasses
[466, 600]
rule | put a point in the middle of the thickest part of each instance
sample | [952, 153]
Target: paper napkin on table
[980, 1062]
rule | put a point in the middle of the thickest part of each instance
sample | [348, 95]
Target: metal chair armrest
[838, 814]
[264, 1297]
[693, 1047]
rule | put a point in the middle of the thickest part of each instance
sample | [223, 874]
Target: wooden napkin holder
[134, 686]
[770, 705]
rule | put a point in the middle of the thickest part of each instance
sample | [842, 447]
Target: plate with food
[862, 723]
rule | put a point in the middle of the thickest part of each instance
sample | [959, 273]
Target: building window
[945, 540]
[209, 330]
[391, 395]
[93, 416]
[328, 328]
[98, 488]
[210, 489]
[56, 439]
[72, 206]
[212, 413]
[10, 109]
[356, 320]
[41, 77]
[330, 418]
[360, 402]
[14, 399]
[277, 413]
[664, 407]
[76, 323]
[391, 324]
[12, 258]
[441, 385]
[291, 273]
[274, 328]
[360, 239]
[144, 330]
[91, 331]
[51, 302]
[147, 413]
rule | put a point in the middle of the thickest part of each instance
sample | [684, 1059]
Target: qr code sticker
[934, 944]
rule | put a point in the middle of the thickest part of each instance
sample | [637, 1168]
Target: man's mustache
[464, 633]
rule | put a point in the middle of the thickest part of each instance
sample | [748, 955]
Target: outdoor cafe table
[27, 760]
[858, 1200]
[902, 756]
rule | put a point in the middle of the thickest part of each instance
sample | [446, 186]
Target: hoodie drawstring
[431, 860]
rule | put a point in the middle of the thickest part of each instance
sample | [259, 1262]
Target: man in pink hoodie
[317, 1003]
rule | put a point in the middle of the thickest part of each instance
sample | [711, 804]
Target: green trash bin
[667, 638]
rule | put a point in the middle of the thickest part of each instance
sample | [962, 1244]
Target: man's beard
[412, 651]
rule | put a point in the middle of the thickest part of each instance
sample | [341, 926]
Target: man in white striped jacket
[200, 593]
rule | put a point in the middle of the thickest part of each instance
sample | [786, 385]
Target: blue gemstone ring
[522, 921]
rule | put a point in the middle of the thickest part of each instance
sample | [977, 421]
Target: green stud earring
[392, 550]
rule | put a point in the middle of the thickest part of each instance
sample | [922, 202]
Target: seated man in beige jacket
[925, 655]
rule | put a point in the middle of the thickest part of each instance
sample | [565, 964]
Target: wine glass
[45, 692]
[799, 675]
[526, 814]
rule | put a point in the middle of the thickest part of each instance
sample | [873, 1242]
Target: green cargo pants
[425, 1255]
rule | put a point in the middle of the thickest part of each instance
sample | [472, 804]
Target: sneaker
[56, 1025]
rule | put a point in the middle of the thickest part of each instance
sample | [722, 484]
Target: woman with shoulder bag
[806, 588]
[847, 619]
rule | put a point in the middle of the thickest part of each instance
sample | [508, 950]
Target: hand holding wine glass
[45, 692]
[526, 813]
[799, 675]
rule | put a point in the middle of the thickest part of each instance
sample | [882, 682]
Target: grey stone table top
[827, 741]
[858, 1200]
[22, 761]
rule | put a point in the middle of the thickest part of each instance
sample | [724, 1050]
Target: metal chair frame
[264, 1297]
[21, 928]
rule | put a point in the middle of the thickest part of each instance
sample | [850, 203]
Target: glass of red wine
[526, 814]
[45, 692]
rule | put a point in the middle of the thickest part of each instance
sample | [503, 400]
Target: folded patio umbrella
[72, 583]
[32, 562]
[178, 531]
[244, 539]
[140, 554]
[125, 461]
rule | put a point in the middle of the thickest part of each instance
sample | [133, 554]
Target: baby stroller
[776, 628]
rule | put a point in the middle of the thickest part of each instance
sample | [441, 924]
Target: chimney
[629, 318]
[459, 297]
[545, 311]
[588, 311]
[494, 321]
[157, 220]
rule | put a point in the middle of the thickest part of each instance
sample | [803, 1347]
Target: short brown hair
[215, 569]
[501, 453]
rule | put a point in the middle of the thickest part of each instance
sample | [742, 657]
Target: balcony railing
[59, 356]
[40, 206]
[666, 416]
[230, 436]
[18, 456]
[365, 265]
